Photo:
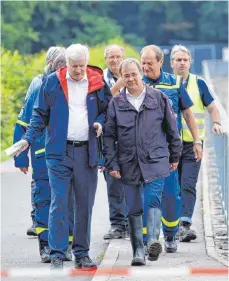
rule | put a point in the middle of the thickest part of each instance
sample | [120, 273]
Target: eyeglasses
[115, 57]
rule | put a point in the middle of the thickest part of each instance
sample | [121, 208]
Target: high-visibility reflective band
[22, 123]
[166, 86]
[40, 151]
[170, 224]
[199, 126]
[39, 230]
[144, 230]
[70, 238]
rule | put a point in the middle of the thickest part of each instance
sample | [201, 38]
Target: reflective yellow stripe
[197, 109]
[170, 224]
[166, 86]
[39, 230]
[40, 151]
[70, 238]
[144, 230]
[22, 123]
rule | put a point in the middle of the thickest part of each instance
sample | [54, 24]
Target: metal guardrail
[220, 143]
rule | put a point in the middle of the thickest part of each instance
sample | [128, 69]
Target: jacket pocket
[158, 152]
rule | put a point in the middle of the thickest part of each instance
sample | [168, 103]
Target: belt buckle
[76, 143]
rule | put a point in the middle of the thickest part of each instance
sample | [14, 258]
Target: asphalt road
[17, 249]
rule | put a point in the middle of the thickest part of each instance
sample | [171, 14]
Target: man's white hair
[76, 52]
[106, 50]
[179, 48]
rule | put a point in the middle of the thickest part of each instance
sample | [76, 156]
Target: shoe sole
[170, 250]
[138, 262]
[109, 238]
[154, 250]
[188, 237]
[46, 260]
[31, 234]
[80, 267]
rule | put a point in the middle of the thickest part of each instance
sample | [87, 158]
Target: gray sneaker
[114, 233]
[186, 234]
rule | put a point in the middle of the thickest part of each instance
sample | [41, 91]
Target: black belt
[77, 143]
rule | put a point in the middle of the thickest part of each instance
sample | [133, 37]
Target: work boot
[135, 227]
[170, 244]
[68, 256]
[114, 233]
[84, 263]
[56, 263]
[153, 233]
[185, 233]
[31, 231]
[44, 251]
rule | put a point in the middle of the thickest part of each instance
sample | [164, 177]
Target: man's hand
[22, 145]
[173, 166]
[117, 86]
[217, 129]
[24, 170]
[98, 129]
[101, 168]
[198, 151]
[115, 174]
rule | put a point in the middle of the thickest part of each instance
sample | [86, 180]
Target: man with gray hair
[113, 55]
[41, 192]
[141, 121]
[201, 97]
[72, 105]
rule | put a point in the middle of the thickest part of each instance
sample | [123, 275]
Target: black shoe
[114, 233]
[84, 263]
[31, 231]
[45, 254]
[154, 250]
[185, 233]
[68, 256]
[170, 244]
[56, 263]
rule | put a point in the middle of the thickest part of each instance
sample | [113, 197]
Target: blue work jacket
[37, 149]
[51, 110]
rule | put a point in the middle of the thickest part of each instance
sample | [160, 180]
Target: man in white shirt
[72, 105]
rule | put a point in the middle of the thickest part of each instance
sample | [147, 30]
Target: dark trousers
[188, 176]
[73, 169]
[134, 197]
[42, 200]
[32, 201]
[116, 200]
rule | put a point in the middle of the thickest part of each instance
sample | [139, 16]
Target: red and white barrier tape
[118, 271]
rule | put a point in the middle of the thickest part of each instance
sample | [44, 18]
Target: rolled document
[13, 149]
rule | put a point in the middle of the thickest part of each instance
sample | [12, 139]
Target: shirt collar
[111, 75]
[138, 97]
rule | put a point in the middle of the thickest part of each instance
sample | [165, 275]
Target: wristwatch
[198, 142]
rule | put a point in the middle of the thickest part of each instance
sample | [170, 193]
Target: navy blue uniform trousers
[188, 176]
[74, 168]
[116, 200]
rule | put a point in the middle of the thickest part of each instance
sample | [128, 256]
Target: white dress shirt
[136, 101]
[78, 128]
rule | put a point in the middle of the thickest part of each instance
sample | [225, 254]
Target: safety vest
[197, 109]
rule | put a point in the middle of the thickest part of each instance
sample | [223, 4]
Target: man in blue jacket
[141, 123]
[72, 104]
[41, 193]
[152, 60]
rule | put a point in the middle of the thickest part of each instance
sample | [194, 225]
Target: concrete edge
[208, 230]
[109, 259]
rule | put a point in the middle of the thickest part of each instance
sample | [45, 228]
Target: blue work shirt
[173, 87]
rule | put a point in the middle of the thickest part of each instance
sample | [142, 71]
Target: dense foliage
[31, 26]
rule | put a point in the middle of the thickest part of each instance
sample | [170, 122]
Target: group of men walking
[147, 139]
